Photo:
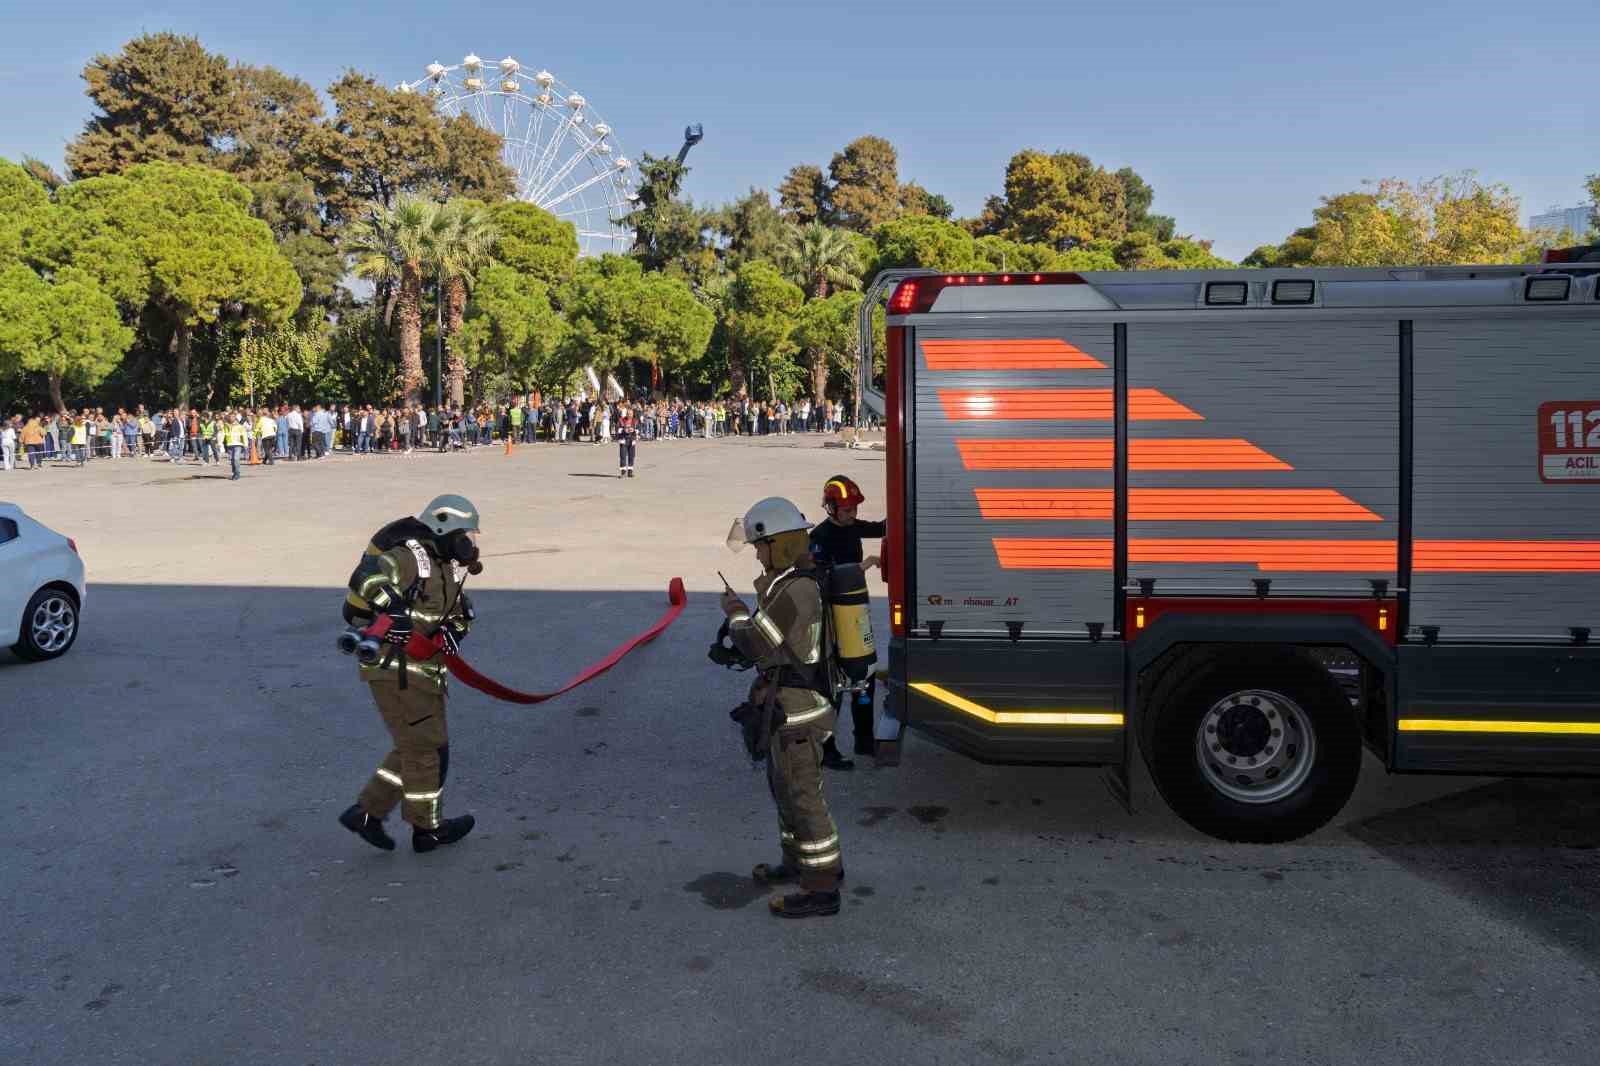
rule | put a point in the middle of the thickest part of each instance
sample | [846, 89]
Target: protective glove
[449, 642]
[399, 633]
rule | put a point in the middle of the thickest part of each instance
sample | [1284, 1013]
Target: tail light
[916, 296]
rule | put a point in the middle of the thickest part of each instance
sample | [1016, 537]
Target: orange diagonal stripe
[1080, 454]
[1176, 505]
[1036, 454]
[1056, 553]
[1059, 405]
[1044, 353]
[1507, 556]
[1227, 454]
[1056, 504]
[1269, 556]
[1303, 556]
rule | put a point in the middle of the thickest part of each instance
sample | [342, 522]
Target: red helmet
[840, 491]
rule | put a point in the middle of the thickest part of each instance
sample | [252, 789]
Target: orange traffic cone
[255, 460]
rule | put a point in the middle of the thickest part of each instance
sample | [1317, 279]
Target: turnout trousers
[806, 831]
[413, 772]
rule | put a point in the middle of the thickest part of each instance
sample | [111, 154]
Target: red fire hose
[421, 647]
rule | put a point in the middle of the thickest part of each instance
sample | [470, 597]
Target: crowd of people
[293, 432]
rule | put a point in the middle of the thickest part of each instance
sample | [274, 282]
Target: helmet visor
[736, 541]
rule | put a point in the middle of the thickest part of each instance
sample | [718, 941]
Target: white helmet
[766, 519]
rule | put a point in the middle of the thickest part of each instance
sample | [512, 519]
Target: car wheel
[49, 625]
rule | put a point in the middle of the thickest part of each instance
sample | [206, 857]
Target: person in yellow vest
[266, 435]
[205, 446]
[80, 439]
[237, 438]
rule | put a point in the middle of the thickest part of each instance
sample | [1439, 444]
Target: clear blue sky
[1240, 114]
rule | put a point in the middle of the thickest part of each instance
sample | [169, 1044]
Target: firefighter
[784, 636]
[627, 439]
[838, 540]
[412, 573]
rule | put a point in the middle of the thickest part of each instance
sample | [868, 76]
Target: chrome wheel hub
[53, 623]
[1255, 746]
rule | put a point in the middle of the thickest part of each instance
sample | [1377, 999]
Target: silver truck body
[1390, 437]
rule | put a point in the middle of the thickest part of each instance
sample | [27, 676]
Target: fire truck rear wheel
[1250, 745]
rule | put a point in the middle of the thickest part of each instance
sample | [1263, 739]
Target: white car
[41, 587]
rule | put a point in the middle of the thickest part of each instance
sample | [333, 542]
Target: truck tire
[1251, 745]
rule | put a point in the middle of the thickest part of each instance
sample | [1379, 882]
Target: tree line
[204, 242]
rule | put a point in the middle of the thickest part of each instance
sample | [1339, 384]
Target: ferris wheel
[565, 157]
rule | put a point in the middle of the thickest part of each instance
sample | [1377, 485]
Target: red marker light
[916, 297]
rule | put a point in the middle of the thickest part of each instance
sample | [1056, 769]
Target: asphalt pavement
[176, 889]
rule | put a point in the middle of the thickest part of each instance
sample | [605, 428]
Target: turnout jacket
[410, 572]
[784, 636]
[832, 543]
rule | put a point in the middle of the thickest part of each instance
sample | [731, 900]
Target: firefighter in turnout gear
[838, 540]
[627, 440]
[412, 572]
[785, 636]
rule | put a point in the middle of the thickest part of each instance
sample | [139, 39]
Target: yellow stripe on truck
[977, 710]
[1477, 725]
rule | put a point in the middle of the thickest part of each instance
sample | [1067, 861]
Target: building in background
[1577, 219]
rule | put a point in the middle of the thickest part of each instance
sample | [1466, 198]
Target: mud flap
[1118, 776]
[1119, 782]
[888, 725]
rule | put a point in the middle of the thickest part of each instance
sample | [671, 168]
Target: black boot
[832, 759]
[805, 905]
[366, 827]
[449, 831]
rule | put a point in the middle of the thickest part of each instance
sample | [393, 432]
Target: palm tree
[459, 242]
[820, 258]
[392, 244]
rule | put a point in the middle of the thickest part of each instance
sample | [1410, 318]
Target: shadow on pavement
[236, 660]
[1523, 848]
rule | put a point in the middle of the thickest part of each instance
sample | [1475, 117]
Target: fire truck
[1246, 523]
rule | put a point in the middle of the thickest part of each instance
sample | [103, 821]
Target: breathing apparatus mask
[453, 519]
[458, 546]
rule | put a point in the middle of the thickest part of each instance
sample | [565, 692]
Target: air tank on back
[851, 616]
